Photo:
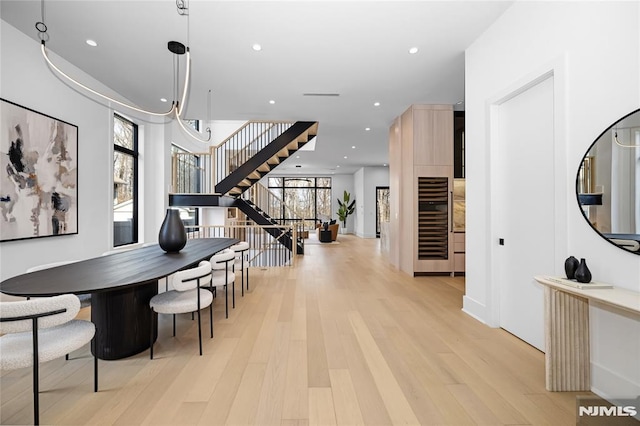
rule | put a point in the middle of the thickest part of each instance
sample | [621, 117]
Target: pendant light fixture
[175, 47]
[615, 138]
[635, 133]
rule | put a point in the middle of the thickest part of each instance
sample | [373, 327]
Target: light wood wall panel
[395, 166]
[421, 137]
[442, 138]
[407, 204]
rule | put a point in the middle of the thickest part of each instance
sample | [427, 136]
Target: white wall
[154, 178]
[359, 181]
[222, 129]
[26, 80]
[593, 51]
[213, 216]
[365, 182]
[339, 184]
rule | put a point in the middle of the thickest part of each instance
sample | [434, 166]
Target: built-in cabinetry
[421, 174]
[433, 218]
[459, 189]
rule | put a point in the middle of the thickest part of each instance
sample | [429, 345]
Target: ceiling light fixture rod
[186, 83]
[175, 47]
[183, 9]
[43, 36]
[108, 98]
[181, 103]
[179, 49]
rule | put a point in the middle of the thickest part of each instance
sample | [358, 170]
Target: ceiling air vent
[330, 95]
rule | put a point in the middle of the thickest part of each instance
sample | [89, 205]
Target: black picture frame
[38, 174]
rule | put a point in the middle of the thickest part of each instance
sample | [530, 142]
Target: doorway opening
[382, 207]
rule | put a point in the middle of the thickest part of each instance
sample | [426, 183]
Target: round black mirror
[608, 184]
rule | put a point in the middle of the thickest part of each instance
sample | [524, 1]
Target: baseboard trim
[473, 308]
[432, 274]
[365, 236]
[611, 385]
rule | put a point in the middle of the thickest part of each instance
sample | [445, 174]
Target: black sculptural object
[570, 266]
[583, 274]
[173, 236]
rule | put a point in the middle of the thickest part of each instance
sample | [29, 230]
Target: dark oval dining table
[121, 285]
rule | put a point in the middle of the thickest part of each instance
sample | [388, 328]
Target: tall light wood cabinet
[421, 174]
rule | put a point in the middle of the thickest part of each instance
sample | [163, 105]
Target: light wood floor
[342, 338]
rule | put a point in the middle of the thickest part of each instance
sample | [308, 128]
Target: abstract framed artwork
[38, 174]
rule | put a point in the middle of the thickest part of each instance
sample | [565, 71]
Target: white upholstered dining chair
[41, 330]
[242, 262]
[186, 296]
[222, 275]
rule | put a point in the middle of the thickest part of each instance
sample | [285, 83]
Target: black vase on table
[583, 274]
[570, 266]
[172, 236]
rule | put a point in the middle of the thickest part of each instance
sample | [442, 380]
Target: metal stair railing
[200, 172]
[191, 173]
[275, 207]
[264, 249]
[246, 142]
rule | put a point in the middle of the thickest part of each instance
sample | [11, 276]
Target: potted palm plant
[345, 209]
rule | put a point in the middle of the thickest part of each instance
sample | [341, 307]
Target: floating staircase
[251, 171]
[261, 217]
[234, 166]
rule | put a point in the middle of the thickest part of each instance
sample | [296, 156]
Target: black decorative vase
[570, 266]
[172, 236]
[583, 274]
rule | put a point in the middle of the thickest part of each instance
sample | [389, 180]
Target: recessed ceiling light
[163, 99]
[297, 156]
[385, 164]
[256, 47]
[376, 104]
[459, 102]
[367, 128]
[353, 147]
[345, 157]
[338, 166]
[272, 102]
[413, 50]
[91, 43]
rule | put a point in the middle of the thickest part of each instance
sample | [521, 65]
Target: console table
[567, 355]
[121, 285]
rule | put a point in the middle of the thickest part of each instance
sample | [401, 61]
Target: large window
[306, 199]
[188, 174]
[125, 181]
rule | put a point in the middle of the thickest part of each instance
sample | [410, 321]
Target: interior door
[524, 207]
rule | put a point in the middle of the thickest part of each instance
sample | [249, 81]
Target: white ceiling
[357, 49]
